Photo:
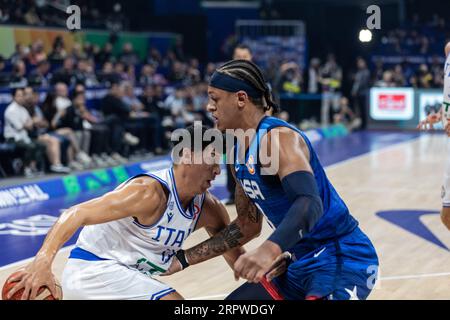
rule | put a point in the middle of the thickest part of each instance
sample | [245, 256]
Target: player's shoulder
[285, 136]
[149, 185]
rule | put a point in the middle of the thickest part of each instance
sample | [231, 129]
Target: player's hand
[34, 276]
[253, 265]
[175, 266]
[429, 121]
[279, 266]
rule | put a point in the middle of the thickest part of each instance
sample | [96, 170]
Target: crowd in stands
[146, 100]
[52, 13]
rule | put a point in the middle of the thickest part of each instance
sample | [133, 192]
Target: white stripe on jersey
[149, 249]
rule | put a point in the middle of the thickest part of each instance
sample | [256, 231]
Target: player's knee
[445, 217]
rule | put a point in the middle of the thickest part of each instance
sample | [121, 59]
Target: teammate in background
[132, 233]
[332, 257]
[444, 116]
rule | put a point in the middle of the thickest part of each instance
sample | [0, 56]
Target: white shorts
[108, 280]
[445, 195]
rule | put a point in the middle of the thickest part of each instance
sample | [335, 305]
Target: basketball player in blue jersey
[331, 257]
[132, 233]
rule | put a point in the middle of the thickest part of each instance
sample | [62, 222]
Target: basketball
[43, 293]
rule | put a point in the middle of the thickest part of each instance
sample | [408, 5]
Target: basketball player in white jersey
[444, 116]
[132, 234]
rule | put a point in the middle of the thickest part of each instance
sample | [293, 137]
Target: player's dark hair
[243, 46]
[249, 72]
[194, 131]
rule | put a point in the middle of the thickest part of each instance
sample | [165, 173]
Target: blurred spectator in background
[40, 76]
[66, 73]
[17, 78]
[344, 115]
[360, 89]
[116, 112]
[37, 53]
[54, 109]
[424, 76]
[291, 80]
[242, 52]
[128, 56]
[387, 80]
[313, 76]
[20, 53]
[331, 81]
[40, 132]
[58, 53]
[17, 124]
[398, 76]
[105, 54]
[84, 74]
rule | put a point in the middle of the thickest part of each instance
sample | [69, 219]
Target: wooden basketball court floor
[394, 192]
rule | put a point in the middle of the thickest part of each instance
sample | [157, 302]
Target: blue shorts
[342, 269]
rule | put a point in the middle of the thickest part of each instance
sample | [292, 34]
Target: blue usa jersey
[267, 193]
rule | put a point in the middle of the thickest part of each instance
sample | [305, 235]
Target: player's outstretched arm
[136, 198]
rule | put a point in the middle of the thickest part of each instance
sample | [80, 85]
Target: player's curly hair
[249, 72]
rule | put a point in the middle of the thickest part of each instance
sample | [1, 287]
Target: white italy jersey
[445, 118]
[148, 249]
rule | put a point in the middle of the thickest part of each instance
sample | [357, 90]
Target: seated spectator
[345, 115]
[398, 76]
[4, 76]
[116, 112]
[17, 124]
[66, 73]
[20, 53]
[140, 122]
[147, 77]
[37, 53]
[84, 74]
[107, 75]
[105, 54]
[98, 132]
[54, 109]
[128, 56]
[424, 76]
[40, 76]
[39, 131]
[17, 78]
[387, 80]
[58, 53]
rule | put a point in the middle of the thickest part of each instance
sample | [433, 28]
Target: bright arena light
[365, 35]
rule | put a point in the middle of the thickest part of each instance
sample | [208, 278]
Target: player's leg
[108, 280]
[351, 275]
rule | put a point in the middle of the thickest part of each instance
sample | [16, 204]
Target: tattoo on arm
[244, 207]
[223, 241]
[232, 235]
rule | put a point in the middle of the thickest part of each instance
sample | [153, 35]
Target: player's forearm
[232, 236]
[64, 228]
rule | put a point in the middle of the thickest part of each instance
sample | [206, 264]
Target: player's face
[242, 54]
[223, 107]
[208, 169]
